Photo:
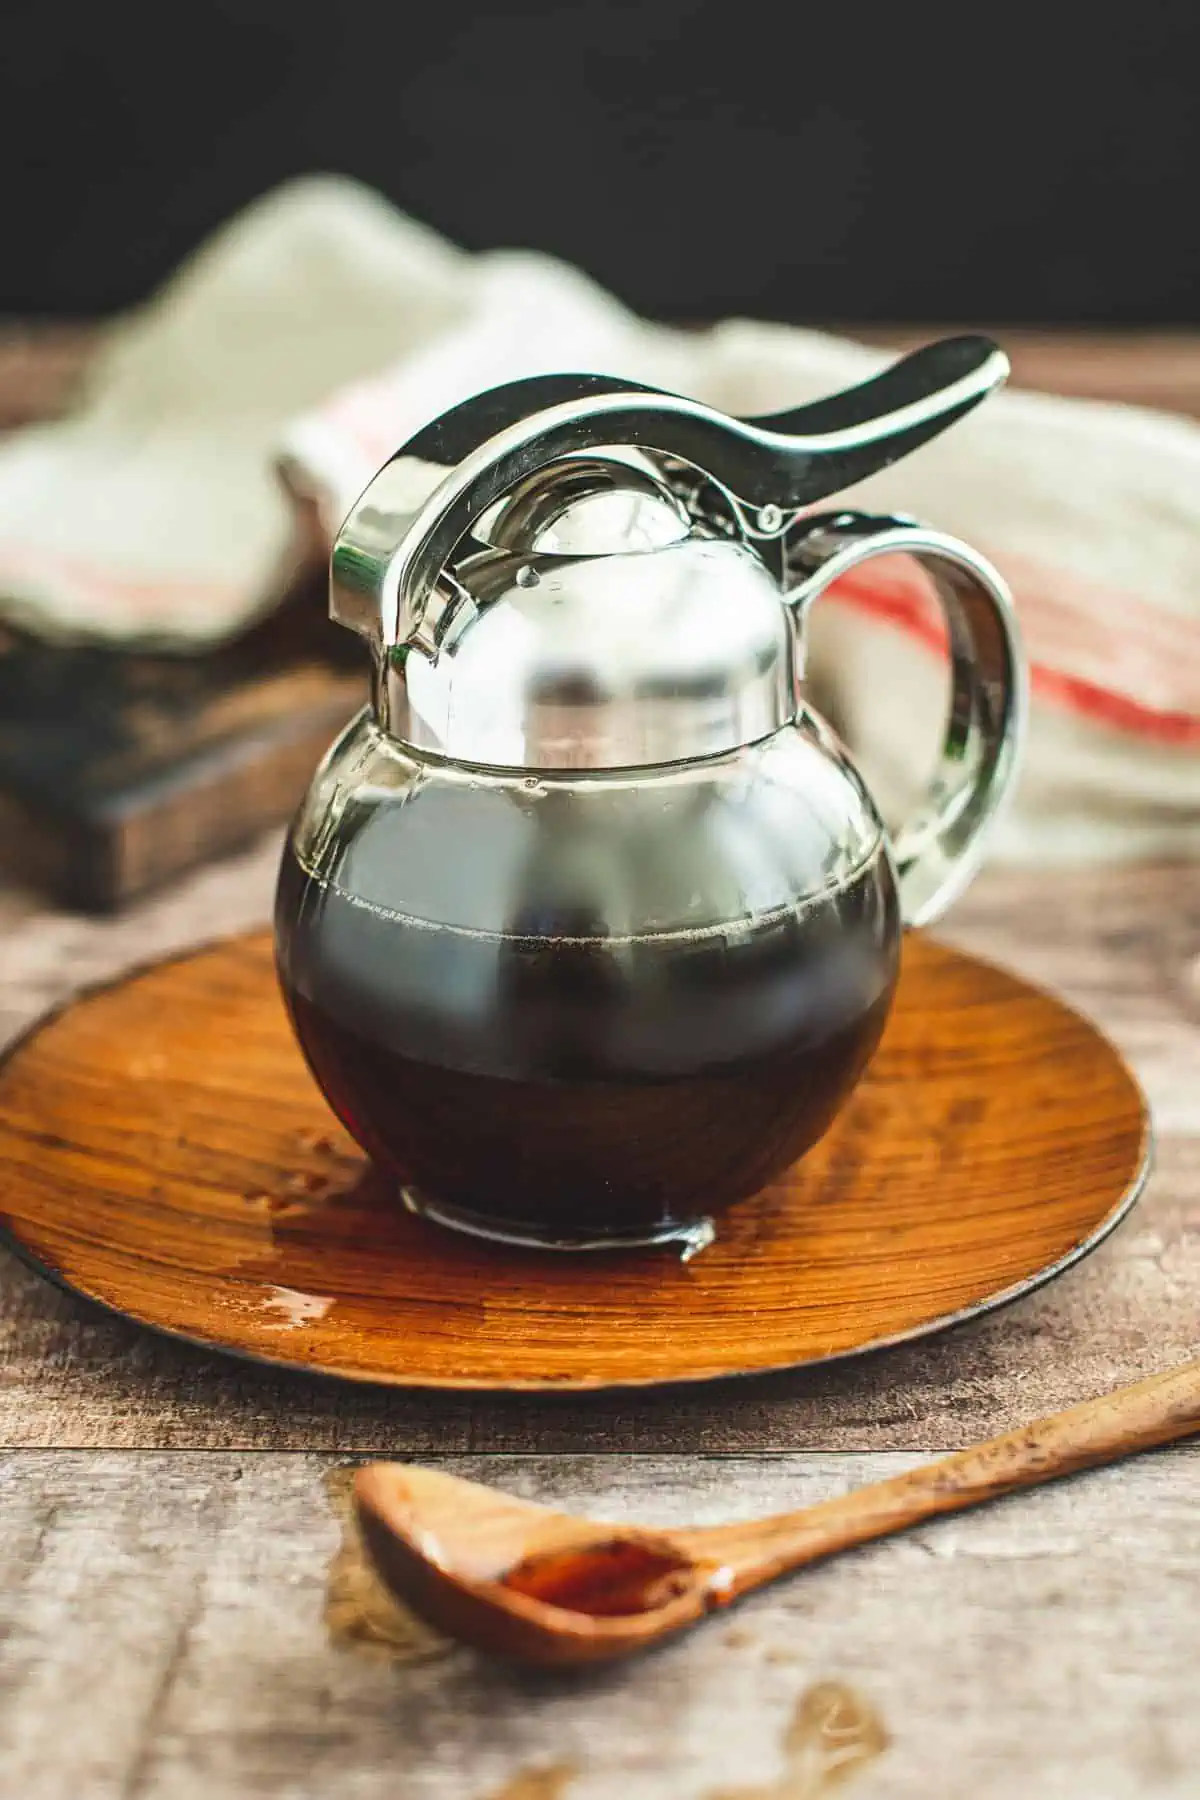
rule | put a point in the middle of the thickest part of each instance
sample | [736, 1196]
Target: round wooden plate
[165, 1152]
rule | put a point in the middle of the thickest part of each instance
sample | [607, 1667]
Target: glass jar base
[687, 1236]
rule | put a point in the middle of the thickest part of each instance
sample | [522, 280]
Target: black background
[866, 162]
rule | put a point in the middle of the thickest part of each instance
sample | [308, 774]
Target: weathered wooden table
[176, 1619]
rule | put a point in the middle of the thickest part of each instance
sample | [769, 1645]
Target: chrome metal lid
[574, 572]
[555, 652]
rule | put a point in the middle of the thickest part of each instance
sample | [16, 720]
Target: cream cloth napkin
[321, 328]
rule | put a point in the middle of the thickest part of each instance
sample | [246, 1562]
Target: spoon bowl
[547, 1588]
[524, 1580]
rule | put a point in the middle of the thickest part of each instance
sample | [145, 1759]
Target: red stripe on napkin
[1101, 654]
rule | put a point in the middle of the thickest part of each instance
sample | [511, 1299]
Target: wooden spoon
[545, 1587]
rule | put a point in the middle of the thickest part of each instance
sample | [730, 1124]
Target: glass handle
[938, 849]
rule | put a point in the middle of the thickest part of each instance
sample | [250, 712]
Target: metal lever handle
[937, 851]
[849, 436]
[405, 527]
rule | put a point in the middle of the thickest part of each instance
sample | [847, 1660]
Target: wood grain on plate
[168, 1154]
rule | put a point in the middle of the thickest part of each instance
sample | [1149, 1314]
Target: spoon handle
[1158, 1411]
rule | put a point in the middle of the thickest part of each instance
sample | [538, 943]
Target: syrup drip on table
[609, 1580]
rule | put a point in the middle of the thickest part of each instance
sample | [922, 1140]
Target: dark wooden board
[120, 771]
